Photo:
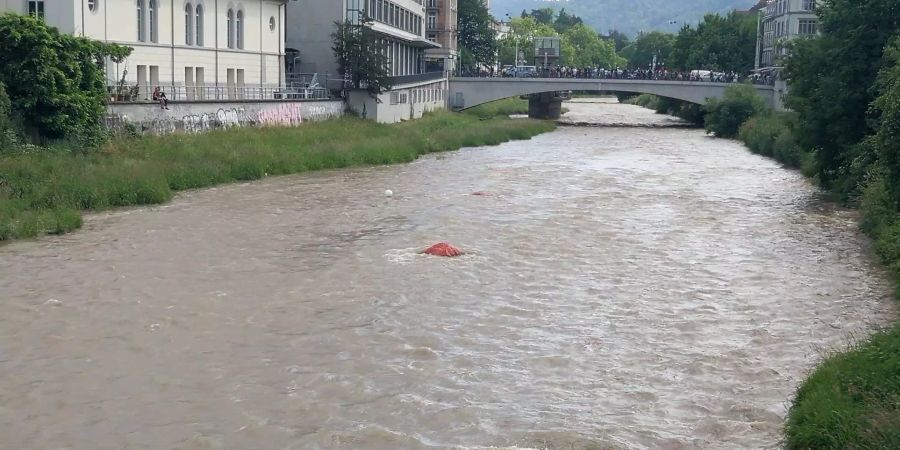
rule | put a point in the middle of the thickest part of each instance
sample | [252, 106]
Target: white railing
[175, 93]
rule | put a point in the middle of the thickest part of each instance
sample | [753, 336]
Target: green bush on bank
[43, 192]
[687, 111]
[505, 107]
[725, 116]
[772, 135]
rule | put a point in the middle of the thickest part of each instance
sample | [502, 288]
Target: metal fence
[174, 93]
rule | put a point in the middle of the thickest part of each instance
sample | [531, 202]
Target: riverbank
[852, 399]
[45, 192]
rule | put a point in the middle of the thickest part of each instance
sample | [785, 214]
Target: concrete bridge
[544, 103]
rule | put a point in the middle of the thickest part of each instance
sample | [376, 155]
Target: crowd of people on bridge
[661, 73]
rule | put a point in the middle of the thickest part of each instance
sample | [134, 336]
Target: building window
[808, 5]
[432, 37]
[807, 27]
[188, 24]
[230, 28]
[141, 34]
[36, 8]
[354, 11]
[432, 20]
[151, 14]
[198, 28]
[240, 29]
[92, 5]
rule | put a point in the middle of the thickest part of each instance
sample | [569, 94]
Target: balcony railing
[141, 94]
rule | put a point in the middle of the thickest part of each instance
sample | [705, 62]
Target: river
[623, 288]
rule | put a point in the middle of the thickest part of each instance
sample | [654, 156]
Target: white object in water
[388, 193]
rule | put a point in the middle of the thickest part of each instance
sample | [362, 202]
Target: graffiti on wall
[282, 114]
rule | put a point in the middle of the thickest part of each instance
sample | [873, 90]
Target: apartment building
[400, 23]
[200, 49]
[779, 22]
[441, 27]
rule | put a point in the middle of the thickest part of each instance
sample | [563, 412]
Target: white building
[400, 24]
[779, 22]
[193, 49]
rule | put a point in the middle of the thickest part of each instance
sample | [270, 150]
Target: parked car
[526, 72]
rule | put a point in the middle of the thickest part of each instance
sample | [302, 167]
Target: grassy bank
[687, 111]
[505, 107]
[45, 192]
[852, 399]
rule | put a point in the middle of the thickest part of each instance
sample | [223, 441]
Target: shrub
[505, 107]
[725, 116]
[63, 94]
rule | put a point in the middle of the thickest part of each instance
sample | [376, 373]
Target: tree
[565, 21]
[887, 105]
[543, 16]
[620, 39]
[721, 43]
[522, 32]
[361, 58]
[831, 79]
[582, 47]
[55, 82]
[640, 54]
[476, 34]
[725, 116]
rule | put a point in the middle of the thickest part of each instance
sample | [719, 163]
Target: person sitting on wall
[160, 96]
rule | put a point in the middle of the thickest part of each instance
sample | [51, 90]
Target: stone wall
[198, 117]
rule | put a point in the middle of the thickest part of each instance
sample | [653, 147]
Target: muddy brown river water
[624, 288]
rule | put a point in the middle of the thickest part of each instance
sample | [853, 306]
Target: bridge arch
[470, 92]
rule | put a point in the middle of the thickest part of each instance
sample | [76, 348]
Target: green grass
[44, 192]
[852, 400]
[505, 107]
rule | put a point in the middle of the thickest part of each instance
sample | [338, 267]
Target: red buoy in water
[443, 249]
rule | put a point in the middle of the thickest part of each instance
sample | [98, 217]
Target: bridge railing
[604, 74]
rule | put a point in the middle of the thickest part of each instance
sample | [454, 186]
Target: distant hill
[627, 16]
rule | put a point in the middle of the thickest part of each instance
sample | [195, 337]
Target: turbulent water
[623, 288]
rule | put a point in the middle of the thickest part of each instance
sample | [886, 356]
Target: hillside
[628, 16]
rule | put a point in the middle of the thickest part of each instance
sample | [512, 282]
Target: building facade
[401, 27]
[192, 49]
[441, 27]
[400, 23]
[779, 22]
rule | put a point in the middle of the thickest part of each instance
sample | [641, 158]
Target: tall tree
[543, 16]
[831, 79]
[722, 43]
[565, 21]
[362, 59]
[476, 33]
[647, 47]
[620, 39]
[582, 47]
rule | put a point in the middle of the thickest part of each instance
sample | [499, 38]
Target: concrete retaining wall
[405, 102]
[198, 117]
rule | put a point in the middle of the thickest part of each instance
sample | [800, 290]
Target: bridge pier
[546, 106]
